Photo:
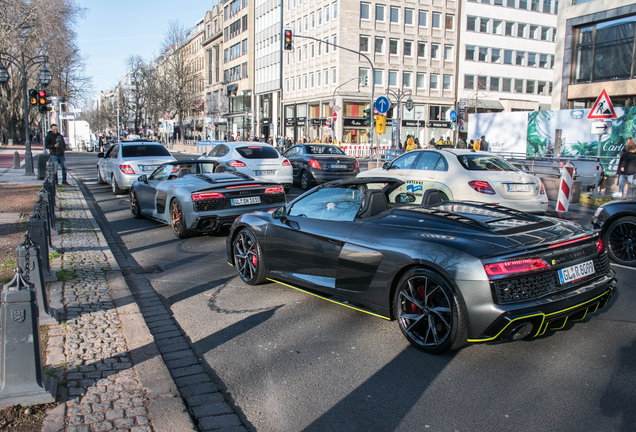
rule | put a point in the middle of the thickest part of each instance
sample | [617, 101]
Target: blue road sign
[453, 115]
[271, 126]
[382, 104]
[204, 143]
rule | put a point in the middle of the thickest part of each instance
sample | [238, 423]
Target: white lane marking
[622, 266]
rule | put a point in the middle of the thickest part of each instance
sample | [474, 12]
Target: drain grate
[127, 271]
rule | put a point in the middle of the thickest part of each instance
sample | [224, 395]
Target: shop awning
[484, 104]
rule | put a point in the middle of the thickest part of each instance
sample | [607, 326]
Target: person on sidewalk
[55, 143]
[626, 166]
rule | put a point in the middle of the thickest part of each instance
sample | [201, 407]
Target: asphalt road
[292, 362]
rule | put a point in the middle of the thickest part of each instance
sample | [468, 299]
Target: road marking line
[622, 266]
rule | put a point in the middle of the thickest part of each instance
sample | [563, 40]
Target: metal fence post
[38, 233]
[21, 375]
[30, 264]
[46, 213]
[16, 160]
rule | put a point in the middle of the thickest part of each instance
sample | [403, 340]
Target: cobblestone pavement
[89, 349]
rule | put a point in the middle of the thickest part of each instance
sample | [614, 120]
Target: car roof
[191, 161]
[128, 143]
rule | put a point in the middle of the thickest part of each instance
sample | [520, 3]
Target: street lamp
[398, 95]
[333, 102]
[44, 77]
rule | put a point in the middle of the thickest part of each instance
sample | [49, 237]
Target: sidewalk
[109, 369]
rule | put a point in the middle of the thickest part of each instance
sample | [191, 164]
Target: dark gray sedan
[320, 163]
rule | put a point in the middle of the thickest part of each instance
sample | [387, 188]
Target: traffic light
[288, 40]
[380, 124]
[328, 122]
[33, 97]
[364, 80]
[43, 101]
[367, 117]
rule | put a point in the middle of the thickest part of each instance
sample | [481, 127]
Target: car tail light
[236, 164]
[356, 166]
[286, 163]
[174, 170]
[126, 169]
[481, 187]
[568, 242]
[519, 266]
[542, 189]
[314, 163]
[599, 245]
[276, 189]
[206, 196]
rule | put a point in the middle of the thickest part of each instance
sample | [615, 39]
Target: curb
[168, 412]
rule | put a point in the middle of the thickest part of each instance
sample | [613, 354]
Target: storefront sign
[354, 122]
[265, 121]
[314, 122]
[290, 121]
[301, 121]
[439, 124]
[413, 123]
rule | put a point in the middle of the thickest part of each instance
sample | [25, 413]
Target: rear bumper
[322, 176]
[210, 221]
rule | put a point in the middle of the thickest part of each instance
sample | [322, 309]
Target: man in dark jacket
[55, 143]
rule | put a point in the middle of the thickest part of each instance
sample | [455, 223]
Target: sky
[113, 30]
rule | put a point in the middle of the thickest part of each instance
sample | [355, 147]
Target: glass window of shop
[354, 134]
[314, 129]
[326, 111]
[290, 121]
[439, 112]
[301, 121]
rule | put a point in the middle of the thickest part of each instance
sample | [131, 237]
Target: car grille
[273, 198]
[225, 203]
[540, 284]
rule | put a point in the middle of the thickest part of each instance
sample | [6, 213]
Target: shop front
[354, 130]
[440, 130]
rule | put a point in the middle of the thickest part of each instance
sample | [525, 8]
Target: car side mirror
[386, 165]
[143, 178]
[100, 155]
[280, 213]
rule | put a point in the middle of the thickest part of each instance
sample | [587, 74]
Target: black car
[617, 222]
[450, 273]
[320, 163]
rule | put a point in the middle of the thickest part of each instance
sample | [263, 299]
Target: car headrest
[184, 171]
[431, 197]
[374, 203]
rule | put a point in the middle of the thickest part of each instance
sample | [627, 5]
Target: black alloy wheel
[135, 209]
[620, 240]
[248, 258]
[177, 220]
[305, 180]
[100, 179]
[429, 313]
[116, 189]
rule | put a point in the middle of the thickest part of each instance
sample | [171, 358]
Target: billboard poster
[505, 132]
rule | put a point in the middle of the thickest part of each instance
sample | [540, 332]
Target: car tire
[248, 258]
[620, 241]
[100, 179]
[429, 312]
[135, 208]
[116, 189]
[305, 180]
[177, 220]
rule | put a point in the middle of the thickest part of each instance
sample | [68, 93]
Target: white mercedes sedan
[465, 175]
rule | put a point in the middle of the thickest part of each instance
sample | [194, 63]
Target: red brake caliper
[421, 291]
[254, 257]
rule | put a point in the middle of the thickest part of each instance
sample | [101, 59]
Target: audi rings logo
[577, 114]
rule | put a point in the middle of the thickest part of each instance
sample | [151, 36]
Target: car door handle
[336, 242]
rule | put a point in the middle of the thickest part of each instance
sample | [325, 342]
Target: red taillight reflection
[314, 164]
[599, 245]
[126, 169]
[356, 166]
[242, 186]
[481, 187]
[236, 164]
[206, 196]
[519, 266]
[276, 189]
[286, 163]
[542, 189]
[569, 242]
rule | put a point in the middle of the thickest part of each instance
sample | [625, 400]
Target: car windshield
[335, 204]
[143, 150]
[258, 152]
[318, 149]
[477, 162]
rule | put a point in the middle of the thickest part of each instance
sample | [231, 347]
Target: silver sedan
[124, 162]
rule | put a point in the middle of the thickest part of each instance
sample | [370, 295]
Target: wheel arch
[614, 218]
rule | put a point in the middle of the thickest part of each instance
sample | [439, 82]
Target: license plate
[264, 173]
[245, 201]
[148, 167]
[576, 272]
[338, 166]
[519, 188]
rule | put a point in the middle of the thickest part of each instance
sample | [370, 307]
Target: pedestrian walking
[55, 143]
[461, 144]
[626, 166]
[431, 144]
[484, 146]
[410, 144]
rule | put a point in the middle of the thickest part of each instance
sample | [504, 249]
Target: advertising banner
[505, 132]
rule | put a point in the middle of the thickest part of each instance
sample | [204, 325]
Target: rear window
[477, 162]
[258, 152]
[143, 150]
[318, 149]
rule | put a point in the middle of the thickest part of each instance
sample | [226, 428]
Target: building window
[379, 45]
[494, 84]
[544, 33]
[378, 79]
[320, 15]
[379, 13]
[363, 74]
[471, 23]
[421, 49]
[541, 88]
[532, 60]
[393, 78]
[326, 76]
[507, 57]
[530, 87]
[406, 79]
[422, 18]
[312, 51]
[365, 13]
[509, 28]
[335, 10]
[364, 43]
[421, 81]
[394, 15]
[326, 13]
[408, 16]
[450, 22]
[511, 3]
[447, 82]
[483, 25]
[497, 27]
[534, 32]
[518, 86]
[506, 85]
[543, 61]
[523, 4]
[433, 83]
[408, 47]
[521, 30]
[318, 75]
[481, 82]
[520, 58]
[393, 46]
[495, 55]
[483, 54]
[437, 20]
[305, 79]
[326, 49]
[333, 75]
[547, 6]
[435, 51]
[287, 85]
[470, 52]
[469, 82]
[448, 53]
[535, 5]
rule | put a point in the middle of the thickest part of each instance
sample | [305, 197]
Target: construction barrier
[565, 190]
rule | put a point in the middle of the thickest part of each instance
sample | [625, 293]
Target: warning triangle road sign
[603, 108]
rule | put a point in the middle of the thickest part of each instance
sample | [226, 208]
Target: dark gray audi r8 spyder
[449, 272]
[193, 196]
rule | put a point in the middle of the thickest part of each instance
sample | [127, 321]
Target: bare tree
[136, 90]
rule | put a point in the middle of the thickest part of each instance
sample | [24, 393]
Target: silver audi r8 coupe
[193, 198]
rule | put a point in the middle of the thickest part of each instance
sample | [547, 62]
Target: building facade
[193, 123]
[595, 51]
[216, 100]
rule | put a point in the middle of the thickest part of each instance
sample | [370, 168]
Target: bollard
[30, 265]
[565, 188]
[40, 207]
[50, 181]
[37, 232]
[16, 160]
[47, 211]
[21, 375]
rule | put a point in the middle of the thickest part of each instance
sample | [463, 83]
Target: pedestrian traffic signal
[33, 97]
[43, 101]
[380, 124]
[364, 80]
[288, 40]
[367, 117]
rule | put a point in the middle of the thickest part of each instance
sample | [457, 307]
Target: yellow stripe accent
[584, 315]
[564, 323]
[230, 264]
[542, 320]
[329, 300]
